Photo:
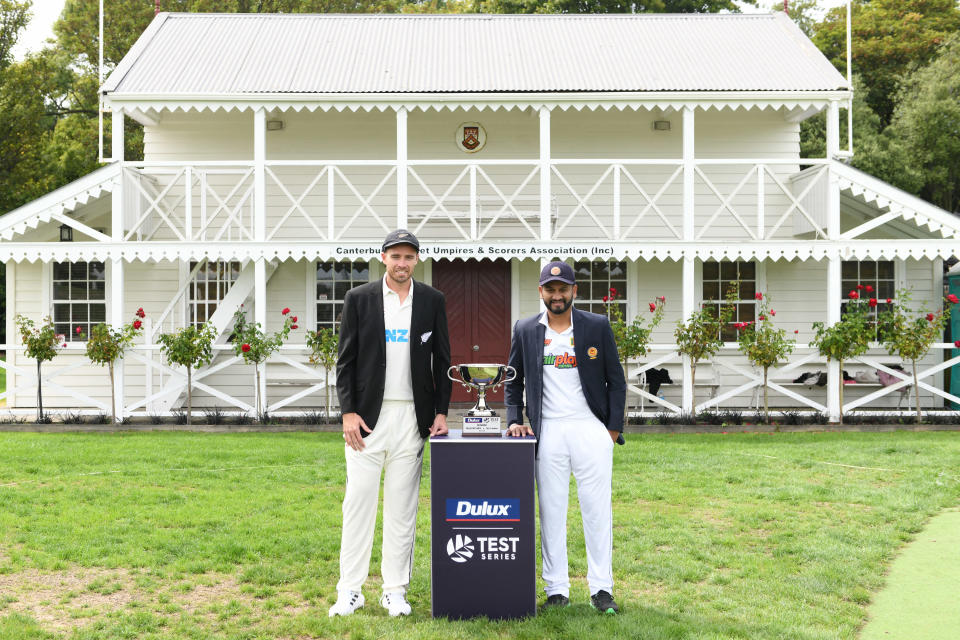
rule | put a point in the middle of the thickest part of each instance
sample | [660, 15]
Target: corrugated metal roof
[233, 54]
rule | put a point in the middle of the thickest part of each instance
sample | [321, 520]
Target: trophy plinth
[481, 420]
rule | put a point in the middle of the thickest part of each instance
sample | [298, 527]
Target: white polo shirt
[398, 384]
[563, 397]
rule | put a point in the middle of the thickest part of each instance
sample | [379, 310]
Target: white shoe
[395, 603]
[347, 602]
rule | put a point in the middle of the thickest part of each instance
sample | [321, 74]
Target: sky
[40, 27]
[764, 5]
[45, 13]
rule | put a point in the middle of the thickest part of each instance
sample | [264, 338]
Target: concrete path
[922, 598]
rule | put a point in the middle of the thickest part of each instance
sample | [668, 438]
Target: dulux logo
[482, 510]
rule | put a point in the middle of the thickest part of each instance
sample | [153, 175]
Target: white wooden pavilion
[659, 153]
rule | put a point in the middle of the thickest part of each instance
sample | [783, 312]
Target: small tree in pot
[191, 347]
[106, 346]
[43, 343]
[254, 346]
[911, 336]
[763, 344]
[846, 339]
[323, 352]
[699, 337]
[633, 338]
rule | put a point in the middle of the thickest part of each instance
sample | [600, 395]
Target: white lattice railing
[293, 385]
[207, 202]
[165, 385]
[728, 379]
[616, 199]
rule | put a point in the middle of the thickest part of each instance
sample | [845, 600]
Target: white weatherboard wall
[797, 288]
[512, 134]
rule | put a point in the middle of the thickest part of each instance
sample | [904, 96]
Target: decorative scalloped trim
[149, 252]
[591, 105]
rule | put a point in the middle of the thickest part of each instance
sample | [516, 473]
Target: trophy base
[481, 426]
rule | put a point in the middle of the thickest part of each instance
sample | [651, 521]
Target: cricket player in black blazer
[361, 364]
[394, 392]
[567, 362]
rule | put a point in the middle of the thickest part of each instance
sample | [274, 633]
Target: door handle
[476, 347]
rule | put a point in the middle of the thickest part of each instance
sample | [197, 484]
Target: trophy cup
[481, 420]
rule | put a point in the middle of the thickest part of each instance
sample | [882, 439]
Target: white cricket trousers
[396, 448]
[585, 448]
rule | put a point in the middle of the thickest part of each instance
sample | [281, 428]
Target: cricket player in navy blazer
[567, 362]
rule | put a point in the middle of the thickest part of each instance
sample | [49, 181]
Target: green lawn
[179, 535]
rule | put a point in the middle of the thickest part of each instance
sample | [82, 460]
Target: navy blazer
[362, 358]
[601, 376]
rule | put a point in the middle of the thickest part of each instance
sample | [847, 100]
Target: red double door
[478, 314]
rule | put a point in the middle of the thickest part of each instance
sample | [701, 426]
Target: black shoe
[556, 601]
[604, 603]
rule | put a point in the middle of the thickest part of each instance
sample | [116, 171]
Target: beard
[566, 303]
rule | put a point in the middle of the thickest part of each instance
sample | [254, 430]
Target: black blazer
[601, 376]
[362, 358]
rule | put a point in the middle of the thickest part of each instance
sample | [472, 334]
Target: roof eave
[554, 99]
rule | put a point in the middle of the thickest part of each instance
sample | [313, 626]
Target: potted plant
[43, 343]
[633, 338]
[191, 347]
[699, 337]
[763, 344]
[910, 334]
[323, 352]
[107, 345]
[254, 346]
[848, 338]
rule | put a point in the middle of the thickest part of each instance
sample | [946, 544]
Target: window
[208, 288]
[79, 297]
[717, 278]
[594, 281]
[878, 274]
[334, 279]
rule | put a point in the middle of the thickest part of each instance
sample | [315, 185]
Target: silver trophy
[481, 420]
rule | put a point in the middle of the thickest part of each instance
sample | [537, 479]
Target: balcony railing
[457, 200]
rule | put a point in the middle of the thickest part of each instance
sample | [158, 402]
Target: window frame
[759, 280]
[849, 284]
[51, 301]
[596, 304]
[189, 303]
[313, 299]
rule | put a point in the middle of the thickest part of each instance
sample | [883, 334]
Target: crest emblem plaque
[470, 137]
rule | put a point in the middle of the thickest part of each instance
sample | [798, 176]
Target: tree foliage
[14, 16]
[890, 39]
[606, 6]
[927, 123]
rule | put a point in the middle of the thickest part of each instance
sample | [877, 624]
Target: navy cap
[557, 270]
[400, 236]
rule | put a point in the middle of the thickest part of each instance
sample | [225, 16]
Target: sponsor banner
[483, 510]
[461, 548]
